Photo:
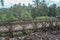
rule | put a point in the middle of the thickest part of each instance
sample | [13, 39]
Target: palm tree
[2, 2]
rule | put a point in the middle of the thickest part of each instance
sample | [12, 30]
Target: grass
[42, 17]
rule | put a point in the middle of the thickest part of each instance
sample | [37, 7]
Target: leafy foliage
[30, 12]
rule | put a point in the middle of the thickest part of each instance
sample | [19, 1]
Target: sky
[8, 3]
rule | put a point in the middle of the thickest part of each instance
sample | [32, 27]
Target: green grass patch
[42, 17]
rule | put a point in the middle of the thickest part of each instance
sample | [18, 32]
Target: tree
[43, 8]
[34, 11]
[40, 9]
[52, 10]
[36, 3]
[2, 2]
[26, 16]
[29, 7]
[17, 10]
[58, 11]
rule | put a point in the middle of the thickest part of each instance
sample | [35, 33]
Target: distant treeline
[30, 12]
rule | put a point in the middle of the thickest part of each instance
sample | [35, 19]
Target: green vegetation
[16, 34]
[39, 10]
[2, 34]
[18, 12]
[42, 17]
